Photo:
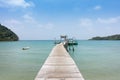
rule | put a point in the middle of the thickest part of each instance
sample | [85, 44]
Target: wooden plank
[59, 66]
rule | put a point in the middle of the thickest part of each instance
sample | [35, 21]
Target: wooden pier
[59, 66]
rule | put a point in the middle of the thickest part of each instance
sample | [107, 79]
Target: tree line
[7, 35]
[112, 37]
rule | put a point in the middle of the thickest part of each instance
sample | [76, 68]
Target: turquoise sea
[97, 60]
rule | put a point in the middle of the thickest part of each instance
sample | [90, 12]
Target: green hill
[7, 35]
[112, 37]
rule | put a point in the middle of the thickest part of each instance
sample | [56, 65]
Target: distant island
[7, 35]
[112, 37]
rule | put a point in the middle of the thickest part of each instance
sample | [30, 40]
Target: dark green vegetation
[112, 37]
[7, 35]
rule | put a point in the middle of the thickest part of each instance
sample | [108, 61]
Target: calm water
[97, 60]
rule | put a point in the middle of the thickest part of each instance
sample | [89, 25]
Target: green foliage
[112, 37]
[7, 35]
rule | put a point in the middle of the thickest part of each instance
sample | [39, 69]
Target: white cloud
[29, 19]
[100, 25]
[109, 20]
[86, 25]
[15, 3]
[49, 26]
[98, 7]
[11, 23]
[86, 22]
[28, 26]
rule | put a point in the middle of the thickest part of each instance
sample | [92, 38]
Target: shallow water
[18, 64]
[97, 60]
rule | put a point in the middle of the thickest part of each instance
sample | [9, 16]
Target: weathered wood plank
[59, 66]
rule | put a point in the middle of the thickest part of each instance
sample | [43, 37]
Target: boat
[25, 48]
[64, 38]
[72, 42]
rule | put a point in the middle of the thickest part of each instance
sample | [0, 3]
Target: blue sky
[48, 19]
